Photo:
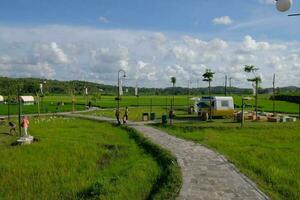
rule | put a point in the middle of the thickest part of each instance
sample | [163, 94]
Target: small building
[1, 99]
[221, 106]
[27, 100]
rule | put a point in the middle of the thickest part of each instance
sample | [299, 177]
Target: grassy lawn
[143, 101]
[135, 114]
[266, 152]
[75, 159]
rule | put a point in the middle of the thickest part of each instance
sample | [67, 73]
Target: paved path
[206, 174]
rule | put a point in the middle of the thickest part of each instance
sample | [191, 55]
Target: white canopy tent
[1, 99]
[27, 100]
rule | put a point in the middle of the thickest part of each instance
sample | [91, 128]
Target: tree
[208, 77]
[171, 114]
[256, 80]
[173, 81]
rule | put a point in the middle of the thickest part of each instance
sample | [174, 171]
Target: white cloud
[103, 20]
[65, 52]
[224, 20]
[267, 1]
[48, 53]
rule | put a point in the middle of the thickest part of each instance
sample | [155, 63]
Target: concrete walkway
[206, 174]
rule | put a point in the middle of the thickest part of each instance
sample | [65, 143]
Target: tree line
[31, 86]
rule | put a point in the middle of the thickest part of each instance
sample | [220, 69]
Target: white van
[221, 106]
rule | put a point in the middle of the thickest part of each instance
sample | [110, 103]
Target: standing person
[25, 125]
[117, 114]
[126, 113]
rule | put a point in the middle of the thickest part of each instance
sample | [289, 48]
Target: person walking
[126, 113]
[117, 114]
[13, 127]
[25, 125]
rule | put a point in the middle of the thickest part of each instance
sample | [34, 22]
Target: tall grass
[76, 159]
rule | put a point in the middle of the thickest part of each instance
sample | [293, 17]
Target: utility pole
[188, 94]
[8, 103]
[256, 99]
[19, 111]
[225, 85]
[274, 76]
[119, 88]
[230, 85]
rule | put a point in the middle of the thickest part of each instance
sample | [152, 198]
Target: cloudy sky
[150, 40]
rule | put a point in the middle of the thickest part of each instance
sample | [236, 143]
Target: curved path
[206, 174]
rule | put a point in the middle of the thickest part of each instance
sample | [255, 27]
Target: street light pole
[118, 90]
[243, 107]
[19, 111]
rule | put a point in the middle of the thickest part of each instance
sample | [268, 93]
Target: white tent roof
[224, 98]
[27, 98]
[1, 98]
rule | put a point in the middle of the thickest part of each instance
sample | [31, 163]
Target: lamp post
[283, 5]
[19, 110]
[243, 107]
[42, 94]
[118, 90]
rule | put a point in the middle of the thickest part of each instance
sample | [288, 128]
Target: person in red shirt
[25, 125]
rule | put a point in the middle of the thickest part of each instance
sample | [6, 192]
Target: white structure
[27, 100]
[221, 106]
[1, 99]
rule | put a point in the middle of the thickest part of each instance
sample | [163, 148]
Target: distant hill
[31, 86]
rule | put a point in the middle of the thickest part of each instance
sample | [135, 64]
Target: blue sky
[190, 16]
[175, 36]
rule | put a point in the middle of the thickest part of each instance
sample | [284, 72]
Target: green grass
[135, 114]
[160, 102]
[76, 159]
[268, 153]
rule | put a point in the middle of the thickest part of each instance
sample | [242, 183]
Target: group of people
[24, 125]
[125, 116]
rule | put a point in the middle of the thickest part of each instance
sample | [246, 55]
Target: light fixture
[283, 5]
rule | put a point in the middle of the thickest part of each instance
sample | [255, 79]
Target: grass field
[266, 152]
[135, 114]
[160, 102]
[75, 159]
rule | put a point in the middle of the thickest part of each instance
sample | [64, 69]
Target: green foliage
[208, 75]
[289, 98]
[266, 152]
[250, 68]
[54, 87]
[173, 80]
[256, 79]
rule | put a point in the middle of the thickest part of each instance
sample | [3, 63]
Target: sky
[151, 40]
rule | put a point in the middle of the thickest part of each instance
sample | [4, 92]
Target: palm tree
[208, 77]
[256, 80]
[173, 81]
